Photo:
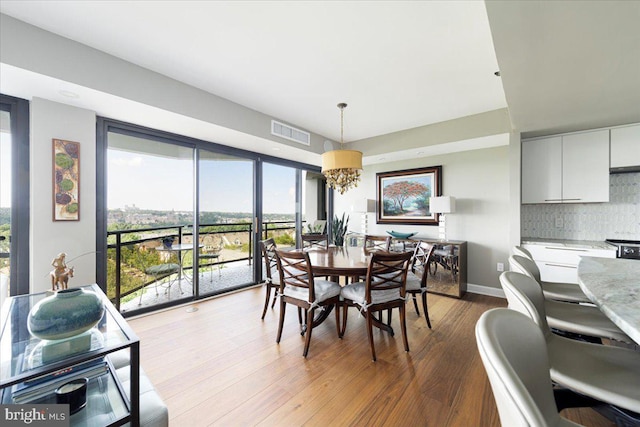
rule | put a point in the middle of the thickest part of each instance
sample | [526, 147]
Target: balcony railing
[127, 256]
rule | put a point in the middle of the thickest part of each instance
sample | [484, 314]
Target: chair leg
[283, 306]
[307, 340]
[275, 296]
[415, 303]
[388, 317]
[344, 320]
[142, 290]
[337, 309]
[403, 325]
[370, 334]
[424, 308]
[266, 300]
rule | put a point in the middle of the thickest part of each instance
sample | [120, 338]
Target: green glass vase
[65, 314]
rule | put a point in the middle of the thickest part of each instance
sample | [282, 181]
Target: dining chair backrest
[525, 266]
[525, 295]
[514, 354]
[377, 242]
[269, 254]
[421, 256]
[295, 272]
[315, 241]
[387, 274]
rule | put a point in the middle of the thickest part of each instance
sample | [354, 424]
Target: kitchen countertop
[613, 285]
[584, 244]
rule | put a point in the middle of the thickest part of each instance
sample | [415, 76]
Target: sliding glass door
[150, 207]
[226, 222]
[5, 204]
[14, 197]
[182, 218]
[279, 197]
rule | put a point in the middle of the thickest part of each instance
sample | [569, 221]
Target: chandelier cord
[341, 125]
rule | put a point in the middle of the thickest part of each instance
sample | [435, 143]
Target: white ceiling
[397, 64]
[565, 65]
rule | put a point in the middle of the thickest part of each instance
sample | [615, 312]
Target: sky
[163, 183]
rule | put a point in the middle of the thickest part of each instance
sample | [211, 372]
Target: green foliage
[5, 216]
[284, 239]
[339, 229]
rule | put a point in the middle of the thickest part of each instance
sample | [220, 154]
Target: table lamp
[364, 206]
[442, 205]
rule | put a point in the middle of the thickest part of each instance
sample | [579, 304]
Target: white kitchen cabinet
[625, 146]
[585, 167]
[559, 263]
[542, 170]
[570, 168]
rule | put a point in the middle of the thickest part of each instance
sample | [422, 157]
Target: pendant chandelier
[341, 167]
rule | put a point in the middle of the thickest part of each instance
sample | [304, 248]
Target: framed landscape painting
[403, 196]
[66, 180]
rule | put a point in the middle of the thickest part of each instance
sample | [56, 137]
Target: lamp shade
[341, 159]
[442, 204]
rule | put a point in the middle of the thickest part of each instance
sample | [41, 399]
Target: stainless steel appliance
[626, 248]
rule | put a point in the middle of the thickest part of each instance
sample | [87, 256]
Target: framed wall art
[403, 196]
[66, 180]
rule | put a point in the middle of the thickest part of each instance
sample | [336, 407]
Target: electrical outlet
[500, 266]
[559, 222]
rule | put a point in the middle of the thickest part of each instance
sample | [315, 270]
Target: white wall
[480, 181]
[51, 120]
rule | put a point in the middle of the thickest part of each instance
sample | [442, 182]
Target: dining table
[347, 262]
[613, 285]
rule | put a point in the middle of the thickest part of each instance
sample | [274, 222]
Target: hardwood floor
[220, 365]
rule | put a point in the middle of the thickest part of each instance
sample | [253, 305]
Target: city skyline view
[151, 182]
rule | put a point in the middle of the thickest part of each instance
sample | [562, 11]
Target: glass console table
[22, 367]
[447, 266]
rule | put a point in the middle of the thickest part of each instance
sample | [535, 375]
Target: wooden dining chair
[377, 242]
[417, 276]
[299, 288]
[315, 241]
[383, 289]
[272, 279]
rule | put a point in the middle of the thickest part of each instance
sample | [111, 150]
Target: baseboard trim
[485, 290]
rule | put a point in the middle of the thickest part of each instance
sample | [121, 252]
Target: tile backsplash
[618, 219]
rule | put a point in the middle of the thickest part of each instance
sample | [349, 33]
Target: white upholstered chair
[606, 373]
[514, 354]
[568, 292]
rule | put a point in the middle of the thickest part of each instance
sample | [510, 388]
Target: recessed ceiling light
[69, 94]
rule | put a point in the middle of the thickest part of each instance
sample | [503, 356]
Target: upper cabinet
[542, 170]
[585, 167]
[570, 168]
[625, 146]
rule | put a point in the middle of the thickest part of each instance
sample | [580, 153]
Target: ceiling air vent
[290, 133]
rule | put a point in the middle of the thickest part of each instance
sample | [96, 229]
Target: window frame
[20, 193]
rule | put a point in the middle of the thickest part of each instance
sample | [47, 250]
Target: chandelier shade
[341, 159]
[342, 168]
